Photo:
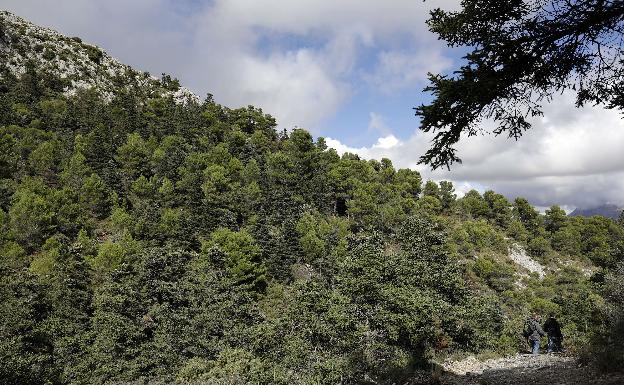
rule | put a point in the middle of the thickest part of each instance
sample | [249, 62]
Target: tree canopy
[521, 53]
[144, 239]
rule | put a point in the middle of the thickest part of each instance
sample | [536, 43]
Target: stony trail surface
[525, 369]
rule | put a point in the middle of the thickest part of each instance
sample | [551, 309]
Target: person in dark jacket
[534, 333]
[555, 338]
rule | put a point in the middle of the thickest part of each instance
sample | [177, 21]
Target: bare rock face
[77, 64]
[520, 256]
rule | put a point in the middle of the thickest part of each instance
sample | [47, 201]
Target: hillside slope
[144, 238]
[78, 65]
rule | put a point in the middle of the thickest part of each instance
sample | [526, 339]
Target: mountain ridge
[606, 210]
[79, 65]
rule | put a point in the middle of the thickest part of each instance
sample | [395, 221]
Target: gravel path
[524, 369]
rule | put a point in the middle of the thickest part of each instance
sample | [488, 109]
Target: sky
[350, 71]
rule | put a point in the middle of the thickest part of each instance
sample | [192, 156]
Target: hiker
[555, 338]
[533, 333]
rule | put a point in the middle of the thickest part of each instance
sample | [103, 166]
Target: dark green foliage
[31, 216]
[521, 53]
[604, 347]
[500, 208]
[538, 246]
[530, 218]
[555, 219]
[499, 276]
[144, 240]
[94, 53]
[609, 346]
[403, 289]
[239, 255]
[567, 239]
[140, 317]
[602, 240]
[475, 205]
[25, 345]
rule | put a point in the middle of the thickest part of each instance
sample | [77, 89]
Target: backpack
[528, 328]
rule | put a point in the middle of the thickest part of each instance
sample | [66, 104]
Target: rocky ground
[520, 256]
[523, 369]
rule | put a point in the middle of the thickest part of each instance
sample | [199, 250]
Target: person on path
[534, 332]
[555, 338]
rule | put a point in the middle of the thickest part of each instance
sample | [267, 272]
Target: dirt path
[524, 369]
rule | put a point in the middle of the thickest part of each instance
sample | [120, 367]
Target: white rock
[520, 256]
[77, 66]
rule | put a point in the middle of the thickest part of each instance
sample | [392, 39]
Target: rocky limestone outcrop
[520, 256]
[77, 64]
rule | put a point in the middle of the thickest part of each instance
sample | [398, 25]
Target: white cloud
[293, 85]
[305, 86]
[387, 143]
[571, 157]
[377, 124]
[383, 145]
[399, 69]
[302, 60]
[328, 17]
[215, 46]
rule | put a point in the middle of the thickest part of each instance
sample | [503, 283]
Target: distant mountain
[606, 210]
[77, 64]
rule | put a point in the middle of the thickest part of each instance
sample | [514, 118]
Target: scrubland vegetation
[146, 239]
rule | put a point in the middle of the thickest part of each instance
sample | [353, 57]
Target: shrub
[607, 346]
[538, 246]
[94, 53]
[498, 275]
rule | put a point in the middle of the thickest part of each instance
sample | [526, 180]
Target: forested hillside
[146, 236]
